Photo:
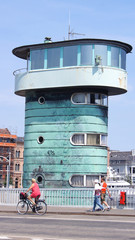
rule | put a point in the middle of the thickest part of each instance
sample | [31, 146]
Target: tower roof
[22, 51]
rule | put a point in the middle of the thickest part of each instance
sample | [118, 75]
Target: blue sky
[30, 21]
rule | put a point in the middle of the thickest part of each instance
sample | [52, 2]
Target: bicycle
[24, 204]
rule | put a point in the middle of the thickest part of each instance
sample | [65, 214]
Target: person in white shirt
[97, 196]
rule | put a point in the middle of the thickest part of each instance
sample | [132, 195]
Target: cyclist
[35, 191]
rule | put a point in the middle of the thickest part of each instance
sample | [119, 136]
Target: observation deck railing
[18, 71]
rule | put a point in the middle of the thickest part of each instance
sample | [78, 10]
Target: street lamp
[8, 167]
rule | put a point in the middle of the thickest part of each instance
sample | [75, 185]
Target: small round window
[41, 100]
[39, 179]
[40, 139]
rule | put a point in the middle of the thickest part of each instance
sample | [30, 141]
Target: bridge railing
[70, 197]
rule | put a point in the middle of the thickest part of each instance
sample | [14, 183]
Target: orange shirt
[104, 186]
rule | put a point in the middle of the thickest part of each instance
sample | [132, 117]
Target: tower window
[77, 181]
[83, 180]
[89, 98]
[89, 139]
[37, 59]
[86, 55]
[41, 100]
[53, 58]
[40, 140]
[101, 52]
[78, 98]
[70, 56]
[78, 139]
[115, 56]
[123, 59]
[92, 139]
[39, 179]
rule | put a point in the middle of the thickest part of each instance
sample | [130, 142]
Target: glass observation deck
[95, 63]
[77, 55]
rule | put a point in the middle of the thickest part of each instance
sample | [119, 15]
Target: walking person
[103, 193]
[97, 196]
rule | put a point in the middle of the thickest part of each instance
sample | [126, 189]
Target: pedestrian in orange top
[103, 192]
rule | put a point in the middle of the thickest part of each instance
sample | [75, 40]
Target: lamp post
[8, 167]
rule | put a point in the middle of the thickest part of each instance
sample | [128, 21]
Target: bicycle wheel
[41, 207]
[22, 207]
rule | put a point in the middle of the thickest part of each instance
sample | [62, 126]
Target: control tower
[66, 86]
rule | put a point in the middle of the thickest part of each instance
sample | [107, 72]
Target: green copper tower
[66, 86]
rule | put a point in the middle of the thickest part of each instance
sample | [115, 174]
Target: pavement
[76, 211]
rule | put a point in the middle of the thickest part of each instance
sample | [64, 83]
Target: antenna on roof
[70, 32]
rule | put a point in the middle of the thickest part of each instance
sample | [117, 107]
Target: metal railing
[18, 71]
[70, 197]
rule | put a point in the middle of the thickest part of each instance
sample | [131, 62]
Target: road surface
[66, 227]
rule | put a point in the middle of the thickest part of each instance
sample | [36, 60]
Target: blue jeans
[97, 202]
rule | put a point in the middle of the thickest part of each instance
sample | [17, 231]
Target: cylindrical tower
[66, 86]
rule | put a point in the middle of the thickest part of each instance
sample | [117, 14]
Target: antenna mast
[70, 32]
[69, 26]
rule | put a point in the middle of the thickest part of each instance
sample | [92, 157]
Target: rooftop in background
[20, 139]
[119, 155]
[4, 131]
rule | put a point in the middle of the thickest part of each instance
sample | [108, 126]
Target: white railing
[70, 197]
[18, 71]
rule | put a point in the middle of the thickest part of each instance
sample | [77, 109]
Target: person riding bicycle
[35, 191]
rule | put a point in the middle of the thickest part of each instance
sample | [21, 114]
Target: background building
[66, 86]
[7, 145]
[11, 148]
[124, 164]
[18, 163]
